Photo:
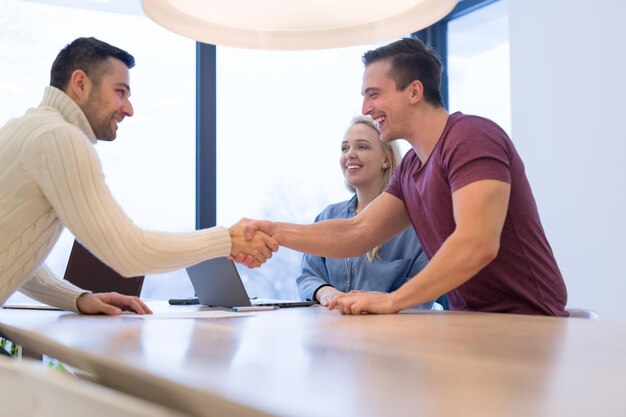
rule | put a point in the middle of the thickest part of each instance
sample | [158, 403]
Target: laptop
[88, 272]
[218, 284]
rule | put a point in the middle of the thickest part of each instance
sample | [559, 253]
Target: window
[281, 117]
[478, 64]
[149, 166]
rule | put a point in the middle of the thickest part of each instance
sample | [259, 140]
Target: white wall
[568, 89]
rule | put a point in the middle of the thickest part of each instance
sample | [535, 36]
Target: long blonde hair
[392, 152]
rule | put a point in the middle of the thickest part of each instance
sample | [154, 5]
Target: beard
[101, 122]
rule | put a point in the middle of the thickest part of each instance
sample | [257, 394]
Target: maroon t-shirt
[524, 278]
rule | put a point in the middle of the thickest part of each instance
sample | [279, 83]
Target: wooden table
[312, 362]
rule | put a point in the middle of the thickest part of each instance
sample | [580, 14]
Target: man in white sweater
[51, 178]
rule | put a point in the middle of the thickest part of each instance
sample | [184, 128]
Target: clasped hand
[252, 243]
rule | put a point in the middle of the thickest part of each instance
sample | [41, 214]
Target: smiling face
[108, 102]
[363, 159]
[383, 102]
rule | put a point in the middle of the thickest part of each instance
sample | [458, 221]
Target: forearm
[382, 219]
[48, 289]
[457, 261]
[336, 238]
[143, 252]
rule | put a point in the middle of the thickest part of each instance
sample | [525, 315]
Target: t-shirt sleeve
[476, 150]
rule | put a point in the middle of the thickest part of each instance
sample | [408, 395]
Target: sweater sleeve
[313, 271]
[67, 169]
[313, 276]
[44, 286]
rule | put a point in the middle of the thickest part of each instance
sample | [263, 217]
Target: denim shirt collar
[351, 207]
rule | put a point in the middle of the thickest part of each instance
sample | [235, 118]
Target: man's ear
[416, 91]
[79, 86]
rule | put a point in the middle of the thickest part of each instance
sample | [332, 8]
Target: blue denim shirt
[399, 260]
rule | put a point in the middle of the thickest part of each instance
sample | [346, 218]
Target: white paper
[34, 305]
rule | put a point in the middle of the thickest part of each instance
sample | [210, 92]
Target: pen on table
[254, 308]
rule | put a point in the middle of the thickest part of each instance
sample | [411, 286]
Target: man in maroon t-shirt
[462, 187]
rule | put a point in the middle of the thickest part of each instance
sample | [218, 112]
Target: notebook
[88, 272]
[218, 283]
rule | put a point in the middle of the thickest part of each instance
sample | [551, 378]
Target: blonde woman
[367, 164]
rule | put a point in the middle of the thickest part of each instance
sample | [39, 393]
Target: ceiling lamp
[295, 24]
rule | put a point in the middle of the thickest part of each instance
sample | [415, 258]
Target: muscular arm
[479, 212]
[382, 219]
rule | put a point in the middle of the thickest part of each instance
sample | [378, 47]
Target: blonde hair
[392, 152]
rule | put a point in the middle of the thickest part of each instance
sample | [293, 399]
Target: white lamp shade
[295, 24]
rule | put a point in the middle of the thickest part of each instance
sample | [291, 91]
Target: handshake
[253, 242]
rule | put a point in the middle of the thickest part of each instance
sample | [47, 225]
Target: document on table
[203, 314]
[34, 305]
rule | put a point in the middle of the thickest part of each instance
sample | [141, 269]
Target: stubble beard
[100, 123]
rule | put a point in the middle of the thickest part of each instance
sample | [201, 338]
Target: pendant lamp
[295, 24]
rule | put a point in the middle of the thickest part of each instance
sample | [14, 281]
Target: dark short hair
[87, 54]
[411, 60]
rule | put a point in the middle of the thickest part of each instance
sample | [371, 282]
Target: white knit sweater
[50, 177]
